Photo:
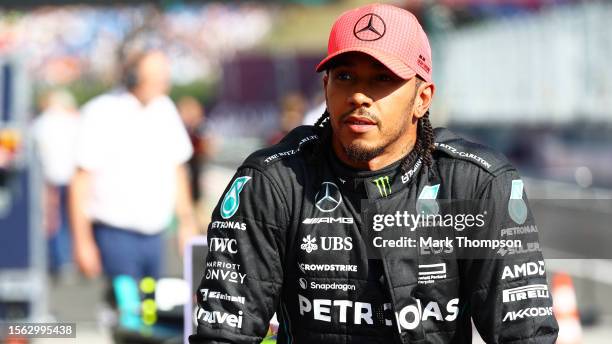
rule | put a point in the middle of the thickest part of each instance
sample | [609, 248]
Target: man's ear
[422, 101]
[325, 80]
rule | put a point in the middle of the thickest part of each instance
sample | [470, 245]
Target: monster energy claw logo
[231, 201]
[383, 185]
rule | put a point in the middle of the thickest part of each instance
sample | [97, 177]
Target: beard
[357, 152]
[360, 152]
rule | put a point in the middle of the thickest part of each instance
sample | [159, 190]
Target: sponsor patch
[408, 175]
[327, 267]
[517, 209]
[519, 230]
[534, 291]
[467, 155]
[224, 275]
[532, 312]
[221, 318]
[309, 244]
[291, 151]
[523, 270]
[530, 247]
[328, 198]
[362, 313]
[384, 186]
[223, 245]
[426, 203]
[316, 220]
[228, 225]
[231, 200]
[223, 265]
[411, 316]
[429, 273]
[324, 286]
[212, 294]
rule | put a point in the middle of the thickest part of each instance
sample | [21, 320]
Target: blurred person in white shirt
[55, 134]
[131, 178]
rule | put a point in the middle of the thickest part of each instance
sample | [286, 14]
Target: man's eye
[343, 76]
[384, 77]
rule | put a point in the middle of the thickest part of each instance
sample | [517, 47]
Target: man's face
[371, 109]
[153, 76]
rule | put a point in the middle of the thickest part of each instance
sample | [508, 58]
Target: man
[131, 176]
[193, 118]
[55, 134]
[304, 230]
[292, 107]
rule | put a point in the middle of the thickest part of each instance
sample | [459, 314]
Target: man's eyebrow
[342, 63]
[348, 63]
[379, 65]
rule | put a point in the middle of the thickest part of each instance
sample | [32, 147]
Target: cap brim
[393, 63]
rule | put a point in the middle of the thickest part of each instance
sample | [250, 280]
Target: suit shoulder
[452, 145]
[102, 104]
[287, 149]
[97, 101]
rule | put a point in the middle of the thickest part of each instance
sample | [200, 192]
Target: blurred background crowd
[530, 78]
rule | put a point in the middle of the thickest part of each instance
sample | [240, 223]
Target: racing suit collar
[373, 184]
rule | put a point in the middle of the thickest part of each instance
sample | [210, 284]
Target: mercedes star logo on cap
[370, 27]
[328, 198]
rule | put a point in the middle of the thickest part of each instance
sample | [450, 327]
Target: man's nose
[359, 99]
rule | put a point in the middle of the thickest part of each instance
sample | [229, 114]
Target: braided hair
[423, 147]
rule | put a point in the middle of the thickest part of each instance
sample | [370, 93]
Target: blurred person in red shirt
[131, 177]
[293, 107]
[193, 116]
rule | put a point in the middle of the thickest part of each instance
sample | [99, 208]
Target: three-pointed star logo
[370, 27]
[328, 198]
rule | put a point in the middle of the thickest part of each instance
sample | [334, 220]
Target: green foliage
[201, 90]
[302, 28]
[83, 90]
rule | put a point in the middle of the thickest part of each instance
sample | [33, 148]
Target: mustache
[361, 112]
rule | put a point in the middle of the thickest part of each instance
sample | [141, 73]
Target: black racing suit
[301, 237]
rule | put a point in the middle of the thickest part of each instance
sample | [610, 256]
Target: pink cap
[389, 34]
